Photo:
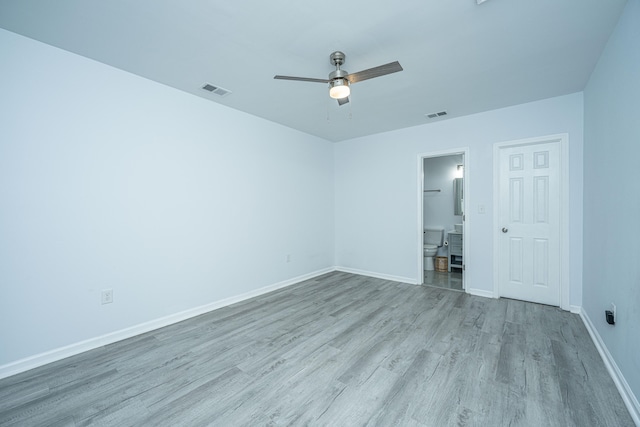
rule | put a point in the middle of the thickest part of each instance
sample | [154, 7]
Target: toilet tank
[433, 236]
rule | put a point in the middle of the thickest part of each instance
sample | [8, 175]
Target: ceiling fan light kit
[339, 88]
[340, 80]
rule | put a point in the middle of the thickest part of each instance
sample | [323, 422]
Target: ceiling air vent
[436, 115]
[216, 89]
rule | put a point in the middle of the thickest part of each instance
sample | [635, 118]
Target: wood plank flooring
[338, 350]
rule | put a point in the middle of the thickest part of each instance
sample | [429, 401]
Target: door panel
[529, 228]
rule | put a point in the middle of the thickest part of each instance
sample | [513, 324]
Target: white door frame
[563, 140]
[466, 228]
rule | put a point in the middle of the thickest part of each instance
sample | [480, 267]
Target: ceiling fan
[339, 80]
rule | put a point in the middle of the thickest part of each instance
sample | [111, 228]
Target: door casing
[466, 226]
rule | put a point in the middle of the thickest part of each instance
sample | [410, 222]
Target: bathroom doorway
[443, 199]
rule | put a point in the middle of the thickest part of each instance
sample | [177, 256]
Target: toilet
[432, 241]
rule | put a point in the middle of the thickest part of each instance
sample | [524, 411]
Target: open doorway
[442, 218]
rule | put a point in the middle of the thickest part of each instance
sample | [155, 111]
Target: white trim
[92, 343]
[466, 226]
[565, 252]
[575, 309]
[563, 140]
[420, 218]
[481, 293]
[628, 397]
[378, 275]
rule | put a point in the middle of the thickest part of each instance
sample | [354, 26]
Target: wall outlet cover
[106, 296]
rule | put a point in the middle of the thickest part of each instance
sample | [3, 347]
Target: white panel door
[529, 215]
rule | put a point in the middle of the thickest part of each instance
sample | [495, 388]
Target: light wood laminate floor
[338, 350]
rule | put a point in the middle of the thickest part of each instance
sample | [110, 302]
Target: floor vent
[436, 115]
[216, 89]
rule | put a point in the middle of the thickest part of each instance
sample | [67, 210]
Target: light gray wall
[377, 188]
[108, 180]
[611, 194]
[439, 173]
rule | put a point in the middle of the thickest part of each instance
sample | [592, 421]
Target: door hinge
[463, 216]
[464, 267]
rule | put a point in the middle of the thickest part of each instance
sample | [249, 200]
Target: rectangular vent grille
[436, 115]
[216, 89]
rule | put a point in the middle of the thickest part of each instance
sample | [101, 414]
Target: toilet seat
[430, 251]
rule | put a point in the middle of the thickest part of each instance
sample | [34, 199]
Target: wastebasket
[441, 264]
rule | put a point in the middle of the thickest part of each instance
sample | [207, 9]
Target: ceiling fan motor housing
[337, 58]
[338, 74]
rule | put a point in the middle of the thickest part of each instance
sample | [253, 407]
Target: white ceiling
[457, 56]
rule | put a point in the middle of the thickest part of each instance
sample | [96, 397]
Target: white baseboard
[377, 275]
[92, 343]
[575, 309]
[628, 397]
[480, 293]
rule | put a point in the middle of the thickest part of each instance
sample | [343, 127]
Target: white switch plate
[481, 209]
[107, 296]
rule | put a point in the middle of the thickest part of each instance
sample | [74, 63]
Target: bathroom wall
[439, 173]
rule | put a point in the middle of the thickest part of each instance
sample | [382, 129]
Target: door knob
[505, 229]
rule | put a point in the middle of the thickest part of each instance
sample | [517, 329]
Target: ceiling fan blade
[382, 70]
[342, 101]
[301, 79]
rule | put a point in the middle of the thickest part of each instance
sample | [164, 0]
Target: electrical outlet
[107, 296]
[610, 315]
